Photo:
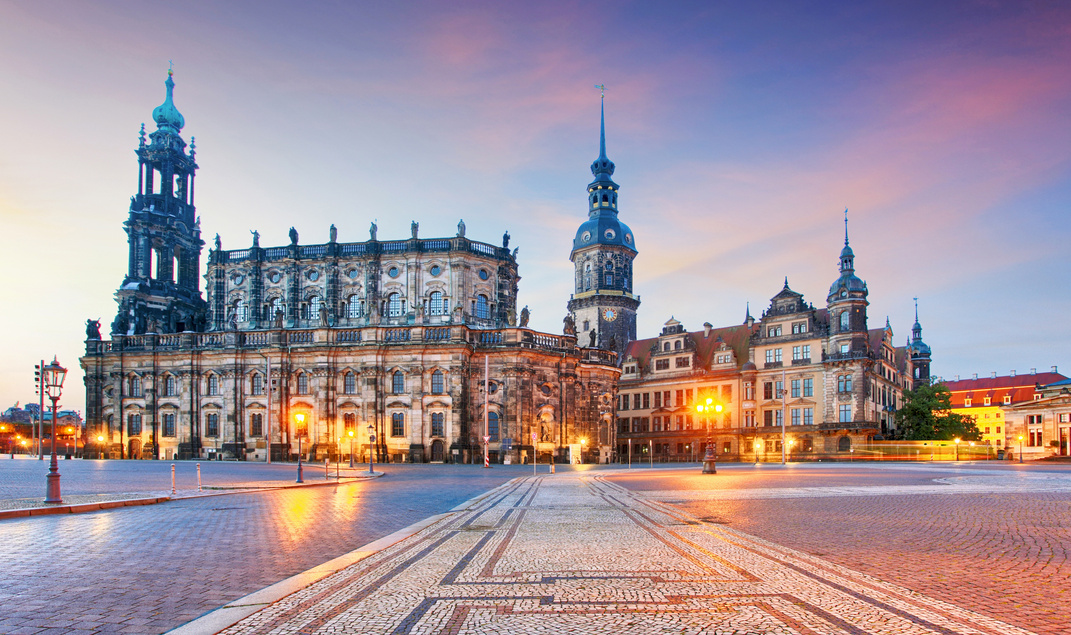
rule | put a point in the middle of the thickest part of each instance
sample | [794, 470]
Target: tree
[927, 416]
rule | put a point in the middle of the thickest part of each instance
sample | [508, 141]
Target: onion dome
[166, 116]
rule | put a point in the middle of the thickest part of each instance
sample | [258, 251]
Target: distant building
[375, 339]
[986, 400]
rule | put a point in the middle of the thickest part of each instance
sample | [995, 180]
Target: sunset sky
[741, 131]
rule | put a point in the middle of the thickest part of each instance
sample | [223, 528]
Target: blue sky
[740, 130]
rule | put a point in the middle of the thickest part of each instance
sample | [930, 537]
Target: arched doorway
[844, 444]
[437, 451]
[135, 449]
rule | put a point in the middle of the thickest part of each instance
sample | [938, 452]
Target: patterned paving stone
[579, 553]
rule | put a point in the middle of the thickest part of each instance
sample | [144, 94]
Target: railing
[256, 338]
[801, 362]
[348, 335]
[543, 340]
[436, 245]
[436, 333]
[237, 255]
[169, 341]
[275, 253]
[397, 335]
[481, 248]
[834, 357]
[488, 338]
[313, 251]
[352, 249]
[300, 337]
[395, 246]
[205, 340]
[772, 365]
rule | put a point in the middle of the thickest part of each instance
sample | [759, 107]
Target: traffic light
[36, 379]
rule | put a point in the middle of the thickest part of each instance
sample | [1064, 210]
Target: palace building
[410, 349]
[830, 380]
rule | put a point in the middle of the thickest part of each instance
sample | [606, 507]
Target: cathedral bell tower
[920, 354]
[602, 255]
[161, 291]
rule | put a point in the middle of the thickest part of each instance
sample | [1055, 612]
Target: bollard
[198, 478]
[338, 464]
[172, 479]
[552, 465]
[327, 469]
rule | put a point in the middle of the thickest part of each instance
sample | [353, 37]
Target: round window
[586, 236]
[393, 272]
[628, 238]
[609, 234]
[436, 270]
[314, 275]
[484, 275]
[353, 273]
[275, 276]
[492, 387]
[238, 278]
[545, 389]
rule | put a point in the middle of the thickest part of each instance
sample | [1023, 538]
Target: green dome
[166, 116]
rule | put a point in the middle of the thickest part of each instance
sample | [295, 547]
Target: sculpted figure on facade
[92, 329]
[524, 316]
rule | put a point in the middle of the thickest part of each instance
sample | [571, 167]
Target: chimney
[994, 375]
[975, 376]
[1013, 373]
[1054, 369]
[957, 377]
[1033, 371]
[707, 327]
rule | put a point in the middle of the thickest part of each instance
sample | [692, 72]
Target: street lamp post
[100, 442]
[371, 444]
[710, 457]
[299, 418]
[1020, 448]
[350, 432]
[956, 441]
[53, 376]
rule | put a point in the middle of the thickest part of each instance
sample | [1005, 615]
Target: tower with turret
[603, 302]
[161, 290]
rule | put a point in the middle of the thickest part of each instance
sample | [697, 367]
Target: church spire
[847, 256]
[166, 116]
[603, 168]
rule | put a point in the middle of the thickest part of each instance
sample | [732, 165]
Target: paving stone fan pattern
[575, 553]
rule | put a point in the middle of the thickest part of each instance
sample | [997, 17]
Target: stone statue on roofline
[524, 316]
[92, 329]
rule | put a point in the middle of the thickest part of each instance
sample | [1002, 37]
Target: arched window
[398, 382]
[482, 308]
[275, 308]
[665, 346]
[437, 424]
[492, 425]
[677, 345]
[587, 276]
[435, 304]
[349, 384]
[257, 384]
[349, 422]
[303, 384]
[437, 382]
[240, 310]
[353, 306]
[395, 305]
[397, 424]
[135, 386]
[169, 386]
[213, 385]
[605, 198]
[312, 308]
[845, 316]
[256, 424]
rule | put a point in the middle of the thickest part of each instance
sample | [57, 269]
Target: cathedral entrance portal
[436, 451]
[135, 449]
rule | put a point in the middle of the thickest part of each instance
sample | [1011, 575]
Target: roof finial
[845, 226]
[602, 120]
[170, 68]
[786, 282]
[916, 309]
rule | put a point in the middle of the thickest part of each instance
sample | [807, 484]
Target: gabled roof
[1021, 388]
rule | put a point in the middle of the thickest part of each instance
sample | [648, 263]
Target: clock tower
[602, 255]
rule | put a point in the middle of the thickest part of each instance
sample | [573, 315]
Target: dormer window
[967, 402]
[1007, 400]
[987, 401]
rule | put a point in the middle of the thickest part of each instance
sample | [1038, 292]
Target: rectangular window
[808, 387]
[656, 423]
[777, 355]
[773, 331]
[213, 385]
[349, 422]
[806, 351]
[302, 384]
[661, 364]
[779, 417]
[169, 387]
[683, 362]
[749, 418]
[795, 388]
[967, 402]
[257, 385]
[769, 356]
[437, 419]
[796, 353]
[169, 424]
[779, 388]
[688, 422]
[680, 422]
[799, 327]
[767, 390]
[1035, 438]
[622, 425]
[767, 417]
[749, 391]
[646, 401]
[212, 424]
[795, 416]
[726, 393]
[349, 384]
[644, 424]
[680, 398]
[624, 402]
[635, 424]
[397, 424]
[1007, 399]
[808, 416]
[987, 401]
[658, 399]
[636, 401]
[256, 424]
[133, 425]
[845, 414]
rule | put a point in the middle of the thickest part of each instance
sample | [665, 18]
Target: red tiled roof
[737, 337]
[1019, 387]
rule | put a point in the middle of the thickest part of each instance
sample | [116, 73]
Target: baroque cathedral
[410, 349]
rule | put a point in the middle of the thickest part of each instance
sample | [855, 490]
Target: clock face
[609, 315]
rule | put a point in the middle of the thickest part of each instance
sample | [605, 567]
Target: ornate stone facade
[382, 339]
